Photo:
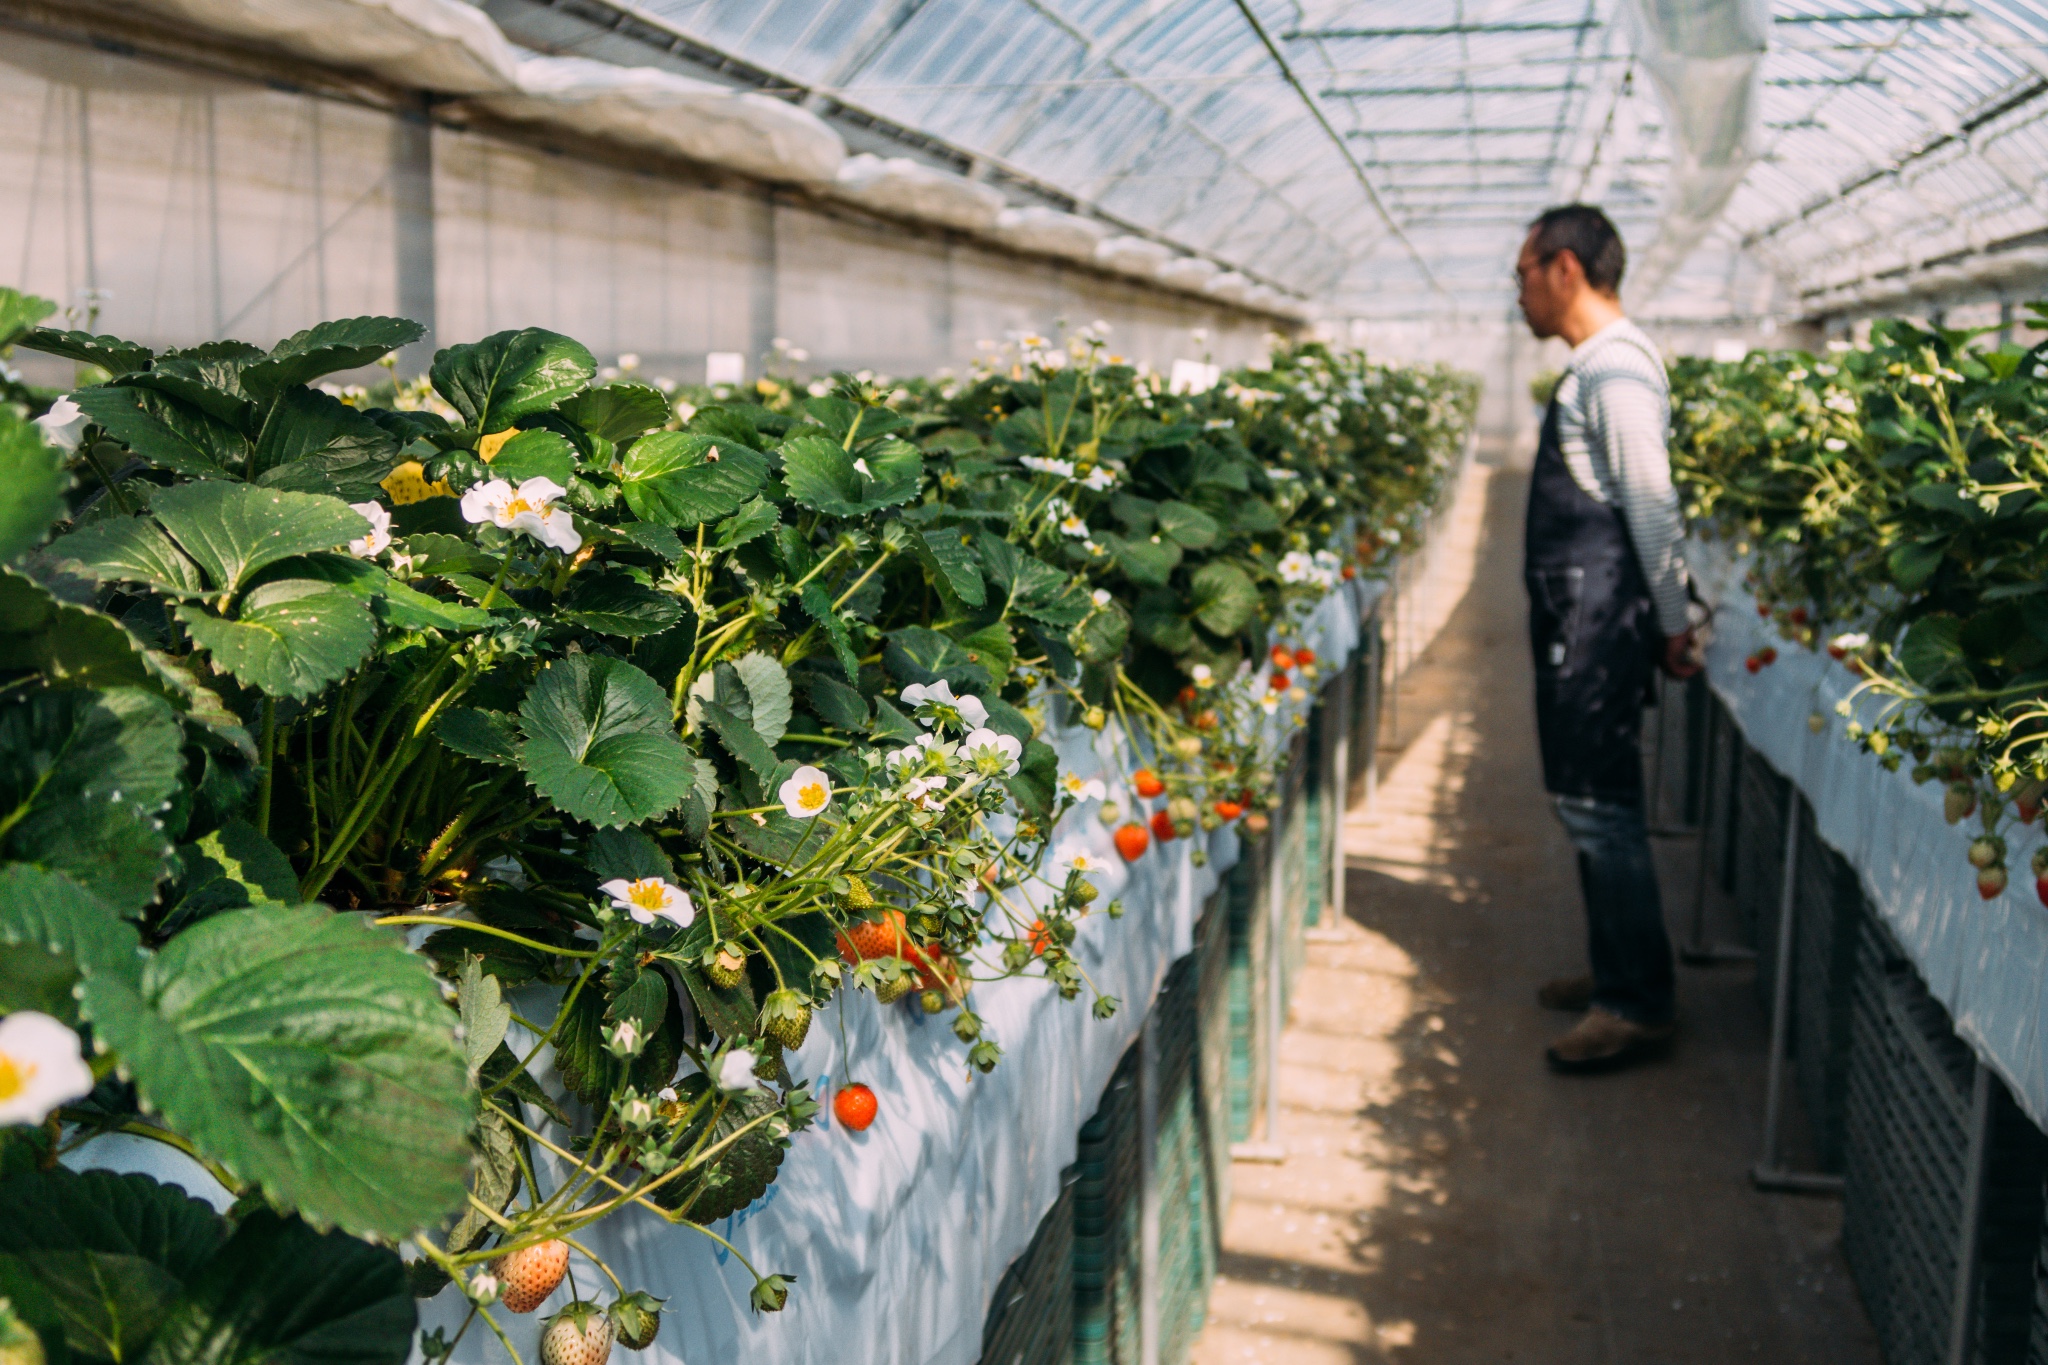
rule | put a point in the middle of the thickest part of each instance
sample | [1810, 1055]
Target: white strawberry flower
[1041, 465]
[1092, 548]
[1083, 788]
[484, 1287]
[936, 702]
[736, 1071]
[915, 752]
[1075, 527]
[63, 426]
[924, 792]
[1203, 675]
[807, 792]
[1099, 478]
[41, 1067]
[1101, 597]
[378, 539]
[992, 754]
[652, 898]
[626, 1039]
[530, 508]
[1296, 567]
[1075, 857]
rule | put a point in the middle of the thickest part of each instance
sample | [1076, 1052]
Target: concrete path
[1446, 1199]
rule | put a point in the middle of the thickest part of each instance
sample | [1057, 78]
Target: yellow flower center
[811, 796]
[518, 505]
[647, 894]
[14, 1079]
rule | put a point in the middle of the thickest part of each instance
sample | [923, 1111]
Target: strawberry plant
[362, 748]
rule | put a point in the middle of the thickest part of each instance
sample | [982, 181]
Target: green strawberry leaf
[952, 555]
[614, 604]
[817, 604]
[768, 694]
[341, 344]
[32, 472]
[84, 779]
[535, 454]
[1225, 599]
[115, 356]
[312, 443]
[165, 432]
[234, 530]
[280, 1292]
[485, 1015]
[755, 517]
[1190, 527]
[487, 736]
[70, 646]
[19, 314]
[824, 477]
[682, 478]
[290, 639]
[506, 376]
[619, 412]
[599, 743]
[305, 1052]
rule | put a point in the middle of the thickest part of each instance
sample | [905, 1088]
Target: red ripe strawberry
[1282, 659]
[1041, 939]
[1132, 841]
[1304, 656]
[1753, 664]
[2027, 808]
[865, 940]
[1837, 652]
[1349, 573]
[855, 1106]
[530, 1274]
[1206, 720]
[1229, 810]
[578, 1335]
[1279, 682]
[1799, 616]
[1991, 883]
[1147, 782]
[1958, 802]
[1186, 697]
[1769, 654]
[1763, 609]
[1162, 826]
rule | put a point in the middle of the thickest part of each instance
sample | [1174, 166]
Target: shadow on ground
[1446, 1199]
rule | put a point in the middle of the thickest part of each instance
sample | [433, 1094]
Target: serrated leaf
[953, 555]
[599, 743]
[1224, 598]
[305, 1052]
[19, 313]
[84, 778]
[1102, 636]
[614, 604]
[1932, 653]
[487, 736]
[916, 654]
[739, 737]
[994, 649]
[628, 853]
[535, 454]
[54, 931]
[165, 432]
[132, 550]
[643, 1000]
[682, 478]
[837, 704]
[508, 375]
[738, 423]
[115, 356]
[729, 1010]
[313, 443]
[248, 858]
[288, 639]
[323, 348]
[768, 694]
[817, 605]
[233, 530]
[485, 1015]
[1147, 563]
[619, 412]
[207, 379]
[32, 472]
[826, 478]
[280, 1292]
[892, 726]
[1189, 527]
[107, 1305]
[1913, 564]
[652, 537]
[756, 517]
[70, 646]
[1035, 784]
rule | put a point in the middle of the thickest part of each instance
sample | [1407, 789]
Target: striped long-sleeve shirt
[1613, 417]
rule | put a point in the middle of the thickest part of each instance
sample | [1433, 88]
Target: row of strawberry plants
[1888, 500]
[439, 807]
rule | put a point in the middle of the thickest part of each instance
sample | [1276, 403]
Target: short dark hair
[1588, 234]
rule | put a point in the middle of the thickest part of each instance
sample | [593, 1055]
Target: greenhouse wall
[176, 205]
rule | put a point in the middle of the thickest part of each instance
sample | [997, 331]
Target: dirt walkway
[1446, 1200]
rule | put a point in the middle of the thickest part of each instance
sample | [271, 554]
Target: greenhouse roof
[1381, 158]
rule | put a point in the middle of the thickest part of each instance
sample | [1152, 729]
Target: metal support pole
[1696, 951]
[1658, 829]
[1769, 1174]
[1375, 697]
[1335, 798]
[1148, 1190]
[1962, 1325]
[1270, 1148]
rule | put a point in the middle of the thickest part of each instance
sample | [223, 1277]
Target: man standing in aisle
[1607, 603]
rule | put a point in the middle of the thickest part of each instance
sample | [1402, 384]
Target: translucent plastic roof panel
[1386, 163]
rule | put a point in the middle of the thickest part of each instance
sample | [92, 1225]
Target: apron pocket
[1556, 599]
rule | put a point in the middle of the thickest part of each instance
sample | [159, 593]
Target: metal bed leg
[1659, 830]
[1335, 796]
[1148, 1192]
[1769, 1173]
[1696, 951]
[1272, 1149]
[1963, 1310]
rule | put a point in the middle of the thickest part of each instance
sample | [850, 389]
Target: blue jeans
[1630, 952]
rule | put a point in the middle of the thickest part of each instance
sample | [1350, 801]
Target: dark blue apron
[1593, 629]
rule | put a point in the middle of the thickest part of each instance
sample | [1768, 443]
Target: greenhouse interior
[1036, 682]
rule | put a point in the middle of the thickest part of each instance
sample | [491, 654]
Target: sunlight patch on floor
[1403, 833]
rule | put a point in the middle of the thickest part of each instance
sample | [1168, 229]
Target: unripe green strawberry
[931, 1002]
[1987, 850]
[2041, 861]
[1083, 892]
[1991, 882]
[728, 968]
[636, 1319]
[858, 896]
[889, 992]
[1958, 801]
[578, 1335]
[785, 1018]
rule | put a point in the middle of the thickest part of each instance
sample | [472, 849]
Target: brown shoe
[1572, 994]
[1604, 1042]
